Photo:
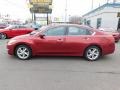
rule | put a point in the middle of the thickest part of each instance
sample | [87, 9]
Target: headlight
[11, 42]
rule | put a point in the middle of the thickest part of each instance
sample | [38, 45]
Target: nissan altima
[62, 40]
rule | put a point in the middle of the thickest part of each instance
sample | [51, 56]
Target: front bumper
[10, 49]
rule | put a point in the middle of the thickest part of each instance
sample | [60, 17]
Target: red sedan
[112, 32]
[14, 30]
[62, 40]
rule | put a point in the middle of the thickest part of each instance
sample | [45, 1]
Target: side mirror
[42, 36]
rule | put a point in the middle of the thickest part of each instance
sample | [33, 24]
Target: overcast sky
[19, 9]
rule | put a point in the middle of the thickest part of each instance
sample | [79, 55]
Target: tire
[116, 41]
[3, 36]
[92, 53]
[23, 52]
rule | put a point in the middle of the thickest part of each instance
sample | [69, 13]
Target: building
[105, 16]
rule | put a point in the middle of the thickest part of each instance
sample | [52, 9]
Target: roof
[57, 25]
[103, 6]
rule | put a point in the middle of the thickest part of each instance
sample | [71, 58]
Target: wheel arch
[26, 44]
[5, 34]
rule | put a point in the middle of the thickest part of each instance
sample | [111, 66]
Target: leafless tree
[75, 20]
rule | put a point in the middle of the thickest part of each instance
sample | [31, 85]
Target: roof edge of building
[103, 6]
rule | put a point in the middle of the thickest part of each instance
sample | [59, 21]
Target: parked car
[14, 30]
[62, 40]
[112, 32]
[33, 25]
[2, 25]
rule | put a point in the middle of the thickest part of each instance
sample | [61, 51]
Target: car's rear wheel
[23, 52]
[117, 41]
[92, 53]
[3, 36]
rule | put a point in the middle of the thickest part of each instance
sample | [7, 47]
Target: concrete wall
[108, 15]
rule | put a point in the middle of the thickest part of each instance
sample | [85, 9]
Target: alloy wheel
[23, 52]
[3, 36]
[93, 53]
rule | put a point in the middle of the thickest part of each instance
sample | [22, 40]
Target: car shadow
[61, 58]
[58, 58]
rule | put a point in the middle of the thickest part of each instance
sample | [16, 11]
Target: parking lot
[59, 73]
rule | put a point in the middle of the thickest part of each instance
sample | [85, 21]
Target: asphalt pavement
[59, 73]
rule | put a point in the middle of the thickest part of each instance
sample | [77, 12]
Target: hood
[27, 36]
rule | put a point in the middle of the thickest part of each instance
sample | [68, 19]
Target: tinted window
[78, 31]
[22, 27]
[99, 20]
[58, 31]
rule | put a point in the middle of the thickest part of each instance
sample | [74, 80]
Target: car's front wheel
[92, 53]
[3, 36]
[23, 52]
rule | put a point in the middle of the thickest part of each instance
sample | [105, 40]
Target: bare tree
[75, 20]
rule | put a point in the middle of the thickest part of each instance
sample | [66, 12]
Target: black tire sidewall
[29, 49]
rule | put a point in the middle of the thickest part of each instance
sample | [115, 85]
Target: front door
[53, 41]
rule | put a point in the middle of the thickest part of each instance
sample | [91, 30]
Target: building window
[99, 22]
[88, 23]
[85, 21]
[118, 28]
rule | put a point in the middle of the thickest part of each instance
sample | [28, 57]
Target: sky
[19, 9]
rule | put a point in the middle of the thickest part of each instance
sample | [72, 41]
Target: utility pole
[92, 4]
[66, 12]
[34, 17]
[47, 19]
[114, 1]
[107, 1]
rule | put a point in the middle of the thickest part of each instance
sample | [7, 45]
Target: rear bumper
[108, 49]
[117, 38]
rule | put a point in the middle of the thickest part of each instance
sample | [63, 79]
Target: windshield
[38, 31]
[10, 27]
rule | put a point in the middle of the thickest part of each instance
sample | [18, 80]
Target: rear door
[24, 30]
[77, 39]
[15, 31]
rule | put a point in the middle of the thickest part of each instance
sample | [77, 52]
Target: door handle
[86, 38]
[60, 40]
